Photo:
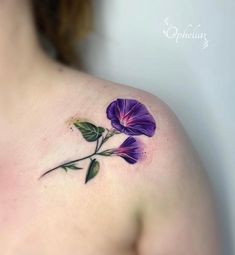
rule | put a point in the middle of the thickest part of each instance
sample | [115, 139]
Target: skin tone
[162, 205]
[18, 48]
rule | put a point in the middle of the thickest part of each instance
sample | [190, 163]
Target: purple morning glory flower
[130, 150]
[131, 117]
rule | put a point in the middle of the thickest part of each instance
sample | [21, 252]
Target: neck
[20, 53]
[24, 67]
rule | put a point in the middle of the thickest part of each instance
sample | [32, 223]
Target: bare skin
[162, 205]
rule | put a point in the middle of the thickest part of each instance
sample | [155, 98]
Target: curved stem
[97, 148]
[47, 172]
[67, 163]
[97, 145]
[104, 140]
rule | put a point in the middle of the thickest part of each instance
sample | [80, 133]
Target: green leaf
[89, 131]
[65, 169]
[101, 129]
[93, 170]
[72, 167]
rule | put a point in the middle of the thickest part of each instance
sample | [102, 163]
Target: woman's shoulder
[88, 96]
[74, 83]
[158, 166]
[110, 155]
[133, 113]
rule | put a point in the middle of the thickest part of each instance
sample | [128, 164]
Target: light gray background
[128, 46]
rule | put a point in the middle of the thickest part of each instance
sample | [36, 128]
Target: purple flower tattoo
[131, 117]
[130, 150]
[127, 116]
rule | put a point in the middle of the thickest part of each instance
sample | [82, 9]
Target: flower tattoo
[131, 117]
[127, 116]
[129, 150]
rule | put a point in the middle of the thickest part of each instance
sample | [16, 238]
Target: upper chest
[59, 214]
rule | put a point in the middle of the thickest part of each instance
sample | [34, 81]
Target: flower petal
[131, 117]
[111, 110]
[125, 105]
[130, 150]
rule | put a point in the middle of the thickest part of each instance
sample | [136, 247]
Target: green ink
[90, 133]
[127, 116]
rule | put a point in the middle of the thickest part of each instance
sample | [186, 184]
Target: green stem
[105, 139]
[97, 145]
[67, 163]
[97, 148]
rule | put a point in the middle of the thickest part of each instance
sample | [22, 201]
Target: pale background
[128, 46]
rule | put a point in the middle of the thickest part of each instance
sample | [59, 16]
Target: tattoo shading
[127, 116]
